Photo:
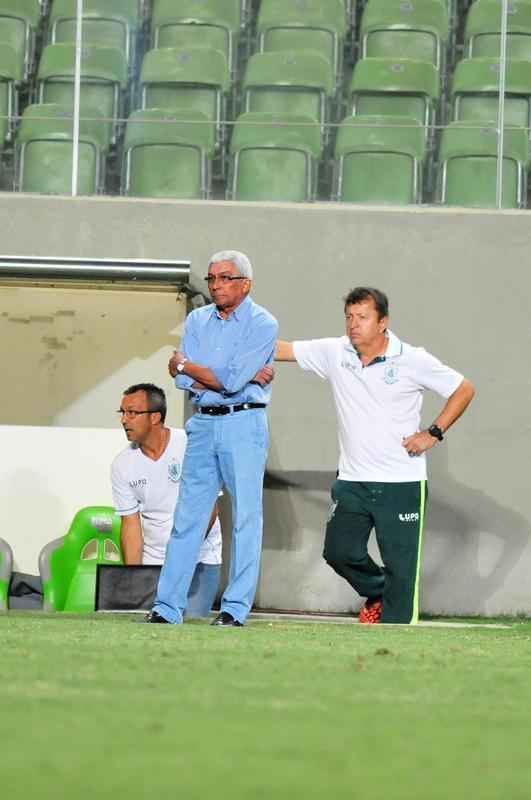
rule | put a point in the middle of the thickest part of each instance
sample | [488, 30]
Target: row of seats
[274, 157]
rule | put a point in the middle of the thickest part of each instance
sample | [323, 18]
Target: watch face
[180, 367]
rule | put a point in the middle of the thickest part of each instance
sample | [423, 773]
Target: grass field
[106, 707]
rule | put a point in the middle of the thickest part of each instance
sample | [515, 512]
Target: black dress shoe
[225, 620]
[153, 616]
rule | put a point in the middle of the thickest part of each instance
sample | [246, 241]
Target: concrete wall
[459, 284]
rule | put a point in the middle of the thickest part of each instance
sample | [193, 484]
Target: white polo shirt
[140, 484]
[377, 405]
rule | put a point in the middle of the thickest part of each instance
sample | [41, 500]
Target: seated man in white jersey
[145, 484]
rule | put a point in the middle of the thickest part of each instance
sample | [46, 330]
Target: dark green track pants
[396, 512]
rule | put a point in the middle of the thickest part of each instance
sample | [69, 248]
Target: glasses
[130, 413]
[224, 279]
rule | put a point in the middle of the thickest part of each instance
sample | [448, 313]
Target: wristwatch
[434, 430]
[180, 365]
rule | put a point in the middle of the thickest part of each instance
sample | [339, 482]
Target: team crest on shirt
[391, 373]
[174, 471]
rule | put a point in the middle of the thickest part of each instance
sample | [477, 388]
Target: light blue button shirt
[234, 349]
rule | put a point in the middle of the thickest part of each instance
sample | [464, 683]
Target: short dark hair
[155, 397]
[361, 293]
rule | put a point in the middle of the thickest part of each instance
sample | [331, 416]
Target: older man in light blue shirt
[226, 349]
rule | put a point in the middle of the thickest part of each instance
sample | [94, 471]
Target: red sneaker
[371, 612]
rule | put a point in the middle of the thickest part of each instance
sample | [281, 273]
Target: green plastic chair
[379, 160]
[297, 82]
[476, 88]
[310, 25]
[193, 79]
[168, 154]
[199, 23]
[482, 29]
[112, 23]
[274, 157]
[468, 166]
[19, 20]
[44, 147]
[68, 565]
[103, 79]
[415, 29]
[396, 88]
[6, 568]
[10, 75]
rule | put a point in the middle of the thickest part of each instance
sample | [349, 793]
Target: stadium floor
[99, 707]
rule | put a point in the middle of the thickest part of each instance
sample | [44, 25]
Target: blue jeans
[230, 450]
[203, 590]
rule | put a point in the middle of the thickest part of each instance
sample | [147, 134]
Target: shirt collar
[394, 346]
[238, 313]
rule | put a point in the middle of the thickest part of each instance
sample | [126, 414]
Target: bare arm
[131, 539]
[284, 351]
[452, 410]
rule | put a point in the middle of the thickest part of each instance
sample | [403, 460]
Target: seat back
[103, 78]
[400, 87]
[68, 565]
[6, 568]
[44, 151]
[274, 157]
[167, 154]
[298, 82]
[379, 160]
[405, 29]
[311, 25]
[482, 29]
[193, 79]
[476, 87]
[19, 20]
[198, 23]
[468, 166]
[112, 23]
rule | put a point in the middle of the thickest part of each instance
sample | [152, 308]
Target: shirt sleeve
[189, 347]
[254, 351]
[433, 374]
[125, 502]
[315, 356]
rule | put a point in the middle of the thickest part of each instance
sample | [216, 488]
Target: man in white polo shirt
[145, 484]
[378, 383]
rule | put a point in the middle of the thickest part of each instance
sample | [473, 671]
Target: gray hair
[240, 261]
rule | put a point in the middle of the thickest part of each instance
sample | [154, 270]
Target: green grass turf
[106, 707]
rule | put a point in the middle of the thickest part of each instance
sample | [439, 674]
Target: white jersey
[140, 484]
[377, 405]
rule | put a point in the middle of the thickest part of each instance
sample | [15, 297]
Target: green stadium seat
[19, 21]
[468, 166]
[67, 565]
[190, 79]
[476, 86]
[482, 29]
[379, 160]
[10, 77]
[304, 25]
[416, 29]
[199, 23]
[103, 79]
[168, 154]
[44, 146]
[274, 157]
[112, 23]
[401, 87]
[6, 568]
[299, 82]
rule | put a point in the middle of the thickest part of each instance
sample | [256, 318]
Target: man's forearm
[202, 375]
[455, 405]
[284, 351]
[131, 539]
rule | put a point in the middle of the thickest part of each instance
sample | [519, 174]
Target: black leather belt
[217, 411]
